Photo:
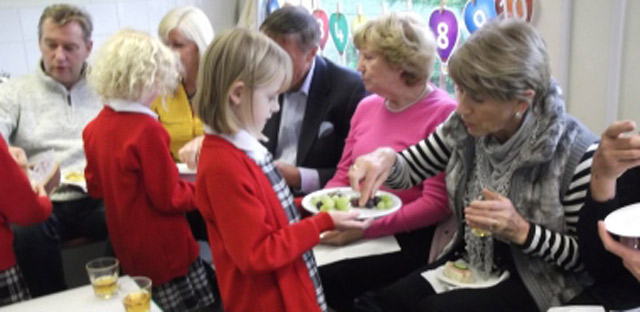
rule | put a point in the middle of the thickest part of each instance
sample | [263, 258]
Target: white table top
[79, 299]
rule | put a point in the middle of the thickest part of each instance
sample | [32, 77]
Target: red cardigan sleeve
[90, 173]
[19, 204]
[242, 215]
[165, 189]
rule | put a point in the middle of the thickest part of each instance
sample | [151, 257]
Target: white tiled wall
[19, 52]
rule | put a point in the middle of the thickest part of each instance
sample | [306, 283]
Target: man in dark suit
[307, 135]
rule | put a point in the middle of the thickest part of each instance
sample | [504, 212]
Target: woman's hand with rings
[369, 171]
[497, 214]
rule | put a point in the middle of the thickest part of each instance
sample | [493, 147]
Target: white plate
[624, 221]
[365, 213]
[489, 282]
[81, 183]
[183, 169]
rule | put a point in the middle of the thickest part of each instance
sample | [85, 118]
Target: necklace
[416, 100]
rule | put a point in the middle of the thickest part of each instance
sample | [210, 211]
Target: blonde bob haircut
[134, 66]
[502, 60]
[403, 40]
[191, 22]
[237, 55]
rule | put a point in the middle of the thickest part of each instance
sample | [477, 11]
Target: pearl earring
[518, 115]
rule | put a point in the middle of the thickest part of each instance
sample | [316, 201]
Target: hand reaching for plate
[349, 220]
[630, 257]
[341, 238]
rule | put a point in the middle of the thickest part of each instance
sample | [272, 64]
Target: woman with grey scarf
[517, 169]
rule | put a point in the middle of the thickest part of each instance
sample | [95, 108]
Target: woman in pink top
[397, 53]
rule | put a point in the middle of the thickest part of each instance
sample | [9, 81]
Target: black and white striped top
[431, 155]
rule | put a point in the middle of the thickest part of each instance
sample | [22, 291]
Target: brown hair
[63, 14]
[237, 55]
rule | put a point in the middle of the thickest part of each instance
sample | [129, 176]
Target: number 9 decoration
[444, 25]
[477, 13]
[272, 5]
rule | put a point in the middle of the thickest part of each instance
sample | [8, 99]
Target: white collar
[119, 105]
[306, 85]
[244, 141]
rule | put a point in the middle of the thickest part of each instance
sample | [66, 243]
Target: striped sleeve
[557, 248]
[420, 161]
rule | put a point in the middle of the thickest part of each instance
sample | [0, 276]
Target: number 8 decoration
[477, 13]
[444, 25]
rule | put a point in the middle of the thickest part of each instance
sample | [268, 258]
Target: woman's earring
[518, 115]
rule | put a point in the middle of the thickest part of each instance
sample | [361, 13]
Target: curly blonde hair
[134, 66]
[403, 40]
[237, 55]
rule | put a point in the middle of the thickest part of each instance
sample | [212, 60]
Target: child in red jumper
[129, 165]
[260, 246]
[19, 204]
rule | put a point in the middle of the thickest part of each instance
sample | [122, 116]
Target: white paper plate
[78, 179]
[489, 282]
[183, 169]
[624, 221]
[365, 213]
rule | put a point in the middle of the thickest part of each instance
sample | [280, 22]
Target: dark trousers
[413, 293]
[38, 247]
[345, 280]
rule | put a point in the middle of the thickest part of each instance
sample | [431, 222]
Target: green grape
[388, 201]
[329, 202]
[388, 204]
[381, 205]
[314, 201]
[342, 203]
[325, 208]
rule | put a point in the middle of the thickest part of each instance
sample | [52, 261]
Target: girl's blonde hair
[238, 55]
[132, 65]
[403, 40]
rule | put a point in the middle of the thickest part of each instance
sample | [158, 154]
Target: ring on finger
[494, 224]
[354, 167]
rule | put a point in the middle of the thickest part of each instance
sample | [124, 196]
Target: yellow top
[178, 119]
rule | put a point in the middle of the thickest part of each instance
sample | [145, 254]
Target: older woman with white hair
[517, 171]
[188, 32]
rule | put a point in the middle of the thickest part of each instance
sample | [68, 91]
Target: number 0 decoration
[444, 25]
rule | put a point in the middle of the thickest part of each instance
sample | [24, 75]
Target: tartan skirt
[191, 292]
[12, 286]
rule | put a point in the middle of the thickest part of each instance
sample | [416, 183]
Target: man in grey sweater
[47, 111]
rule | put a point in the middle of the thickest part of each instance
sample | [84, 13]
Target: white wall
[19, 53]
[594, 47]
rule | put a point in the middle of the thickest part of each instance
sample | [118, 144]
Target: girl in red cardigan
[129, 165]
[260, 245]
[19, 204]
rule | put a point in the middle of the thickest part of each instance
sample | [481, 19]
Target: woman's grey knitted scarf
[494, 165]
